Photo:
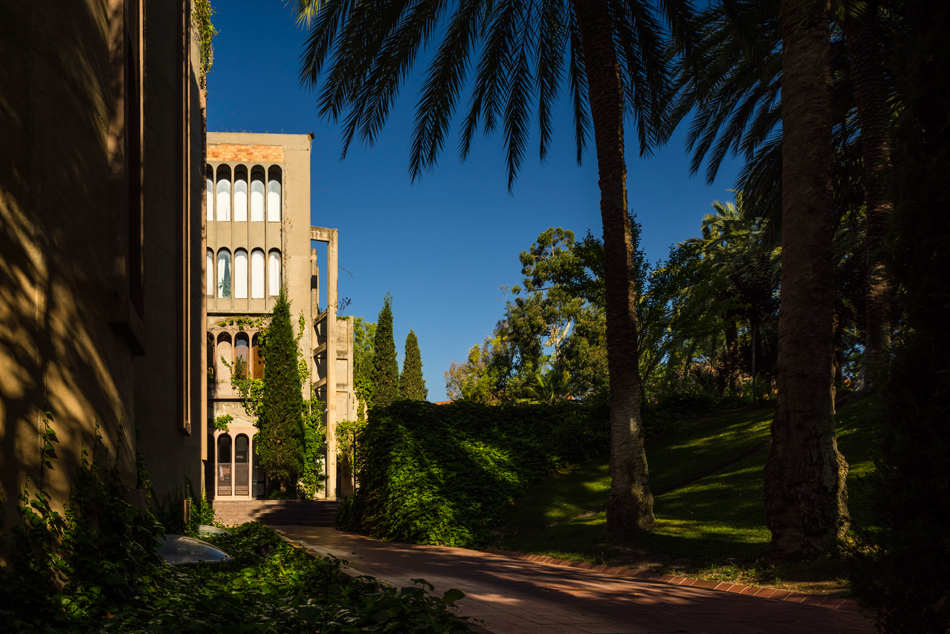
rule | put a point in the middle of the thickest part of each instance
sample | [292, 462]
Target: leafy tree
[280, 442]
[385, 368]
[412, 385]
[615, 66]
[477, 379]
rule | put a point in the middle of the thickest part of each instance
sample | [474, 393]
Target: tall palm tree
[804, 489]
[614, 52]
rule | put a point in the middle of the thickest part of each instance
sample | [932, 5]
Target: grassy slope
[713, 521]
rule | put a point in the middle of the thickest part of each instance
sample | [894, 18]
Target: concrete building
[259, 239]
[101, 253]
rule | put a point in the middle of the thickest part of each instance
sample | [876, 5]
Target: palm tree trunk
[804, 490]
[870, 96]
[630, 504]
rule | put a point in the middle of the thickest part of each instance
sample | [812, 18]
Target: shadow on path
[513, 596]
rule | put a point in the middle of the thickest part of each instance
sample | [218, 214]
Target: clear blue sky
[443, 246]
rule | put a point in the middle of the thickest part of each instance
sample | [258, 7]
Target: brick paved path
[513, 596]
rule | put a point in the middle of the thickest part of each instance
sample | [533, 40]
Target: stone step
[280, 512]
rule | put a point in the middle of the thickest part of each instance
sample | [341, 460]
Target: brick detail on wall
[235, 152]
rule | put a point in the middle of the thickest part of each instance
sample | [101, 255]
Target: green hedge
[444, 474]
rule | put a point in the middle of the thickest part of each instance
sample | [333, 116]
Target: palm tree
[615, 63]
[804, 489]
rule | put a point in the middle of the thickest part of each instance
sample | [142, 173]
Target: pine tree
[385, 368]
[281, 439]
[411, 384]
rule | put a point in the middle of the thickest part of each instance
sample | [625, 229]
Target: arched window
[223, 190]
[224, 464]
[224, 448]
[240, 194]
[240, 274]
[257, 195]
[257, 359]
[274, 269]
[209, 273]
[242, 356]
[273, 195]
[209, 192]
[257, 274]
[224, 273]
[222, 358]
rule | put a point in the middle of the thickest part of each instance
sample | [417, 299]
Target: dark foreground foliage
[445, 474]
[268, 587]
[900, 568]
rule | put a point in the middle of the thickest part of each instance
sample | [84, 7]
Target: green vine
[82, 565]
[244, 322]
[201, 18]
[347, 437]
[222, 422]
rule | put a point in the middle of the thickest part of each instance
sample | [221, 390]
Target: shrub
[444, 474]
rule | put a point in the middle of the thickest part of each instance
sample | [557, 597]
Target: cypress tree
[385, 368]
[281, 439]
[411, 384]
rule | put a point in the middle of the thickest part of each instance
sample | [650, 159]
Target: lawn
[713, 526]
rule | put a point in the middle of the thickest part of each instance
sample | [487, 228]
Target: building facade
[101, 256]
[259, 240]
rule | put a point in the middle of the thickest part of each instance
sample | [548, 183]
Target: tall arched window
[242, 356]
[209, 192]
[224, 464]
[273, 267]
[209, 273]
[240, 194]
[240, 274]
[223, 190]
[257, 359]
[273, 195]
[222, 358]
[257, 274]
[224, 273]
[257, 195]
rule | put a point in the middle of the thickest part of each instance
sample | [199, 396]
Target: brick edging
[832, 603]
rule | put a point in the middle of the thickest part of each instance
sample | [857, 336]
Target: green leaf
[451, 596]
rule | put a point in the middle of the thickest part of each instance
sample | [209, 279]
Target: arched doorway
[241, 466]
[224, 465]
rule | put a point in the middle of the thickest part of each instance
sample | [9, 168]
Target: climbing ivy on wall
[291, 449]
[445, 474]
[201, 18]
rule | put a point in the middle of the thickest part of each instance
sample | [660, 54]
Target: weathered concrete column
[333, 483]
[330, 236]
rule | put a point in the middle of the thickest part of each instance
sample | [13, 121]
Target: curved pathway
[514, 596]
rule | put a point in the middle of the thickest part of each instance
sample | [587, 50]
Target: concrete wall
[169, 380]
[91, 250]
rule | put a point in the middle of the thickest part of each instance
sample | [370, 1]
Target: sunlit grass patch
[712, 527]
